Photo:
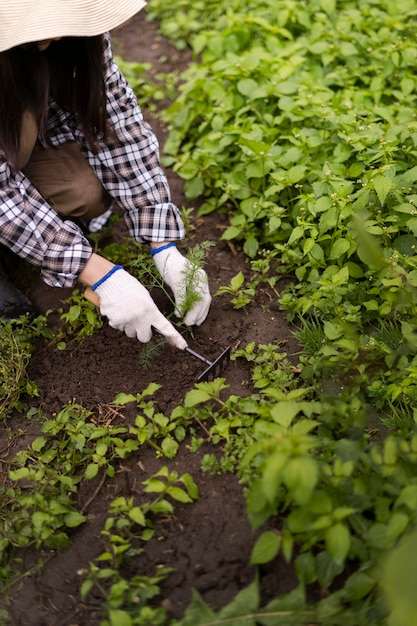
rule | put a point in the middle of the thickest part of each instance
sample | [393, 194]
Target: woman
[73, 144]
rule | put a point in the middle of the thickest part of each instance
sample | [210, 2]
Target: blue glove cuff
[106, 276]
[165, 247]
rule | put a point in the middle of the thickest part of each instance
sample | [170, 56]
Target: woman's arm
[31, 228]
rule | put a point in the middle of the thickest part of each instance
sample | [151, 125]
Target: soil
[207, 543]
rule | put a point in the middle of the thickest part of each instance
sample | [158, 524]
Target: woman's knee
[67, 182]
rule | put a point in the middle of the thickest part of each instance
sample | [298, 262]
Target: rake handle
[187, 349]
[199, 356]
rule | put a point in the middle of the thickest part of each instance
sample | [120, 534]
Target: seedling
[242, 296]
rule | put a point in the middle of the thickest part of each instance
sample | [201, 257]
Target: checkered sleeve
[34, 231]
[129, 167]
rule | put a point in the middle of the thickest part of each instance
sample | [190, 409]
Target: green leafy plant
[81, 319]
[13, 362]
[296, 120]
[127, 600]
[242, 296]
[191, 283]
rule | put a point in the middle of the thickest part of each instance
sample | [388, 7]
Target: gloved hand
[130, 308]
[189, 284]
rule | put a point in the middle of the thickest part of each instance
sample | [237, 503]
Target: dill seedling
[151, 351]
[192, 281]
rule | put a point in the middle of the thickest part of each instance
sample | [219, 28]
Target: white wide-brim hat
[23, 21]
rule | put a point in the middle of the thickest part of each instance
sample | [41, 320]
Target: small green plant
[151, 351]
[82, 319]
[242, 296]
[128, 600]
[152, 426]
[16, 345]
[311, 335]
[191, 282]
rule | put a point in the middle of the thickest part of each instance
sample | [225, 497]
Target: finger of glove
[142, 332]
[132, 329]
[173, 337]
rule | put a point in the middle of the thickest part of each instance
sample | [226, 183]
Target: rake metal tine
[215, 366]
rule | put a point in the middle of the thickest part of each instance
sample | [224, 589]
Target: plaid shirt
[129, 169]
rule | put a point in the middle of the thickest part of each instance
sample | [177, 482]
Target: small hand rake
[214, 368]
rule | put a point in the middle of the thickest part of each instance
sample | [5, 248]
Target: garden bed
[207, 543]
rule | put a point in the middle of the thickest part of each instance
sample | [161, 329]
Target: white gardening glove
[180, 275]
[130, 308]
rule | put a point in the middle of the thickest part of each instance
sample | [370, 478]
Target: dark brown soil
[207, 543]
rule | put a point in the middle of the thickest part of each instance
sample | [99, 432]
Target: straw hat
[22, 21]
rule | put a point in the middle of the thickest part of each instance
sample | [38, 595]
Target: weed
[310, 335]
[128, 600]
[16, 346]
[242, 296]
[82, 319]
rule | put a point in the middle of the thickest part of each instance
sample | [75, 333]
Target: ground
[207, 543]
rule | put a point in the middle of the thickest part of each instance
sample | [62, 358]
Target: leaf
[232, 232]
[74, 519]
[38, 443]
[284, 412]
[136, 514]
[19, 474]
[407, 85]
[237, 281]
[85, 588]
[327, 569]
[333, 331]
[266, 548]
[296, 173]
[150, 390]
[287, 605]
[244, 603]
[119, 618]
[169, 447]
[196, 396]
[190, 485]
[300, 476]
[408, 496]
[91, 470]
[406, 244]
[338, 542]
[194, 188]
[178, 494]
[74, 313]
[397, 524]
[124, 398]
[272, 475]
[251, 247]
[358, 586]
[101, 448]
[297, 232]
[247, 86]
[329, 6]
[198, 613]
[154, 486]
[259, 148]
[382, 186]
[339, 248]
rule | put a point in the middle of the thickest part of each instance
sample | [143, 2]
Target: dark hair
[70, 71]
